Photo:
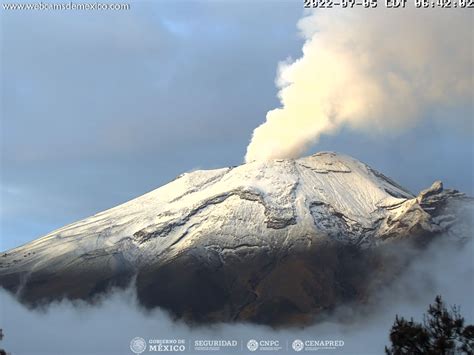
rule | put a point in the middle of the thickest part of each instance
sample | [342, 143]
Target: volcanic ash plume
[378, 70]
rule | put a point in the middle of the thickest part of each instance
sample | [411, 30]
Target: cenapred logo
[252, 345]
[297, 345]
[316, 345]
[138, 345]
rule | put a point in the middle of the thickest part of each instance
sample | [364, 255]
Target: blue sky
[98, 108]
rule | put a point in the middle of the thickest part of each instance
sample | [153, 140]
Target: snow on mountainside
[279, 194]
[222, 217]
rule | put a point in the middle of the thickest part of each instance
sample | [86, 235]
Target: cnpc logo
[271, 345]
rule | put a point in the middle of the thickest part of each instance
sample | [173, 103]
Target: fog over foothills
[108, 328]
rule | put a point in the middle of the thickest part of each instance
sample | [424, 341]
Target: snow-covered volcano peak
[275, 194]
[337, 180]
[232, 229]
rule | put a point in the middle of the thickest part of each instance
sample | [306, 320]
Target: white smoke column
[378, 70]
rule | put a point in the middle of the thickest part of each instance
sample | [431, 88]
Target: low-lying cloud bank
[64, 328]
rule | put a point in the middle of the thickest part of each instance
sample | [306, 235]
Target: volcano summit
[273, 242]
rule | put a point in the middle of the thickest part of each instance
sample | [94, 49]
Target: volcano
[272, 242]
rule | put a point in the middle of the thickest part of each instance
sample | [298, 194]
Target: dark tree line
[2, 352]
[442, 332]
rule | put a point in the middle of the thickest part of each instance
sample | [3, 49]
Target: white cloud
[377, 70]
